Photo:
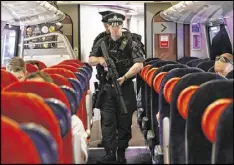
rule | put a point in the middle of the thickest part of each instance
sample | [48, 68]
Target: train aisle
[137, 152]
[134, 155]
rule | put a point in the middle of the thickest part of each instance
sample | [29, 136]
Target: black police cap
[115, 18]
[104, 13]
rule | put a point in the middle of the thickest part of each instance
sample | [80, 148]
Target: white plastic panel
[29, 12]
[188, 12]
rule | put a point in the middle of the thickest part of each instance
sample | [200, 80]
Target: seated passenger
[16, 66]
[223, 64]
[34, 63]
[76, 123]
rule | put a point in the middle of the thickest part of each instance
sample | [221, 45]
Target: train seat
[186, 59]
[7, 78]
[224, 138]
[34, 109]
[31, 68]
[205, 94]
[177, 122]
[230, 75]
[206, 65]
[17, 146]
[211, 69]
[44, 142]
[47, 90]
[195, 62]
[60, 80]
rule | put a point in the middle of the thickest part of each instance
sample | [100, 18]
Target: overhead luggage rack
[188, 12]
[29, 12]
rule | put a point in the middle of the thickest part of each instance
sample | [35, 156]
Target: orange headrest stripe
[168, 88]
[149, 76]
[184, 99]
[158, 80]
[144, 71]
[211, 117]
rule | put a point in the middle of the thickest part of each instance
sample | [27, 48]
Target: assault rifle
[114, 75]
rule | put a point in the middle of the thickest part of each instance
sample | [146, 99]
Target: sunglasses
[116, 23]
[223, 59]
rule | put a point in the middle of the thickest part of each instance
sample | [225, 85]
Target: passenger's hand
[102, 61]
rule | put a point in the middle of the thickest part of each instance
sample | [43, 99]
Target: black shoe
[121, 159]
[109, 158]
[100, 144]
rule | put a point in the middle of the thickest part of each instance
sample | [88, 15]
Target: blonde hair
[16, 64]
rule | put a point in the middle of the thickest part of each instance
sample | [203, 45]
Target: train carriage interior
[184, 91]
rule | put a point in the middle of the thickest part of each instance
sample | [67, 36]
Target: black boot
[109, 158]
[121, 159]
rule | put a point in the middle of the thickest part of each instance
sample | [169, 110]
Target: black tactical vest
[120, 51]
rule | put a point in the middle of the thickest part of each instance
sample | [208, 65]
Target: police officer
[128, 59]
[100, 70]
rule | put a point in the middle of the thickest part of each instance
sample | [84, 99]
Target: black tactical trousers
[113, 119]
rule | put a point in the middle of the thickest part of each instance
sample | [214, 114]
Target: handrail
[63, 37]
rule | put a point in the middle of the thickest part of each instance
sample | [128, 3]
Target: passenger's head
[34, 63]
[223, 64]
[115, 21]
[16, 66]
[104, 20]
[39, 76]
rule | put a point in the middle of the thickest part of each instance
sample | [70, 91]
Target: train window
[219, 40]
[10, 40]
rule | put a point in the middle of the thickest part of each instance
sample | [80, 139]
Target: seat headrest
[76, 84]
[7, 78]
[72, 64]
[16, 145]
[60, 80]
[62, 114]
[211, 69]
[171, 79]
[211, 117]
[31, 68]
[73, 61]
[73, 98]
[195, 62]
[230, 75]
[64, 72]
[186, 59]
[161, 73]
[42, 65]
[86, 71]
[44, 142]
[43, 89]
[187, 86]
[64, 66]
[81, 78]
[205, 65]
